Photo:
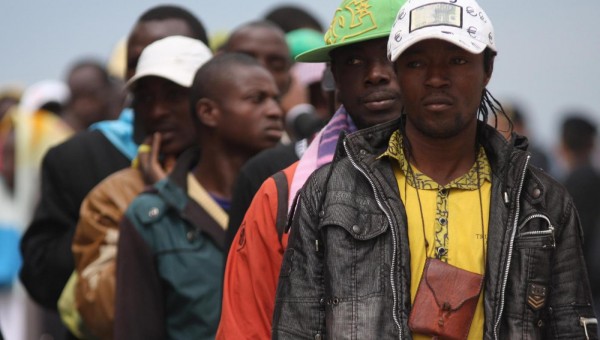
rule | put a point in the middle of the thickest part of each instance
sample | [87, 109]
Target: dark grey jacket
[346, 272]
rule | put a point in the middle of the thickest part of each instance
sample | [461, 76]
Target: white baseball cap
[176, 58]
[460, 22]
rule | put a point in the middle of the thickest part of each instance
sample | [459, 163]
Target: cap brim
[168, 75]
[321, 54]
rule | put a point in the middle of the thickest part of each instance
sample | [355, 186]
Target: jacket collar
[189, 209]
[374, 141]
[185, 163]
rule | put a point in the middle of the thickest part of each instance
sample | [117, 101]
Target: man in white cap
[161, 101]
[433, 226]
[70, 170]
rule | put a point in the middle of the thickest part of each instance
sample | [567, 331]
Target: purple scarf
[321, 150]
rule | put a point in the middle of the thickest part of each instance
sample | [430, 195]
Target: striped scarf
[321, 150]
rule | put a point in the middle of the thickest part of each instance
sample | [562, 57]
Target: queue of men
[406, 216]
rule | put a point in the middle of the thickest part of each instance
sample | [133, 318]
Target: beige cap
[176, 58]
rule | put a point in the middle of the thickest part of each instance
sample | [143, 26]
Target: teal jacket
[170, 264]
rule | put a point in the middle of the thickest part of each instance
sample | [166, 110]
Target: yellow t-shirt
[452, 215]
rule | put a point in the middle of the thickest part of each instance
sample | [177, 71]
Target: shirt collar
[467, 181]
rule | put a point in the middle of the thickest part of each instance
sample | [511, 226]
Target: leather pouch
[445, 302]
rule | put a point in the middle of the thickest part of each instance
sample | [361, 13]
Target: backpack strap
[281, 183]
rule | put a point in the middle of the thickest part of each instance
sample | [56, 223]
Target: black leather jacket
[346, 272]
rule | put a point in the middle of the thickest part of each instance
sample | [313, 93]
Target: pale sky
[548, 61]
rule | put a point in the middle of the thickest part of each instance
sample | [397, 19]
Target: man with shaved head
[171, 249]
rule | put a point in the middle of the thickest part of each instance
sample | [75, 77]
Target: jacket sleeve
[94, 250]
[139, 301]
[299, 313]
[46, 245]
[570, 302]
[252, 271]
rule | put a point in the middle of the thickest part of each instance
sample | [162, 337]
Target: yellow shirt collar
[468, 181]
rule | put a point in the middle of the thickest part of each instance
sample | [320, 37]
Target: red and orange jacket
[252, 269]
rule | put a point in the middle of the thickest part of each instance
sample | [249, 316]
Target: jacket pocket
[356, 267]
[356, 250]
[534, 246]
[360, 216]
[535, 231]
[529, 282]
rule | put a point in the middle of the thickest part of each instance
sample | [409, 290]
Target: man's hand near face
[152, 167]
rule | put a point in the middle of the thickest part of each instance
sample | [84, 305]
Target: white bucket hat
[176, 58]
[460, 22]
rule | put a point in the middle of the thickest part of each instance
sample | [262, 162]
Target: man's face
[366, 82]
[441, 86]
[269, 47]
[90, 95]
[163, 106]
[250, 115]
[147, 32]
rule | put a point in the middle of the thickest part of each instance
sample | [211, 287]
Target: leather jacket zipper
[394, 238]
[510, 248]
[534, 216]
[549, 231]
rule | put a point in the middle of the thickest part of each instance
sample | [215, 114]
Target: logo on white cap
[435, 15]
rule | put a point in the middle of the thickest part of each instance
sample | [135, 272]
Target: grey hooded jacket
[346, 271]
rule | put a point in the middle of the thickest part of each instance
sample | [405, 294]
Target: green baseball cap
[355, 21]
[303, 39]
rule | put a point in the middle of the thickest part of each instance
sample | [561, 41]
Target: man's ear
[208, 112]
[327, 80]
[489, 71]
[333, 73]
